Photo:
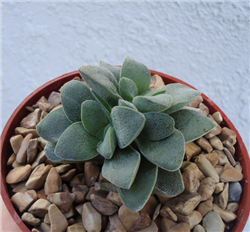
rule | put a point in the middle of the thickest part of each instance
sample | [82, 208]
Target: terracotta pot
[54, 85]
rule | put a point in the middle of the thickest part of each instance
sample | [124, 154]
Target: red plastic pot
[54, 85]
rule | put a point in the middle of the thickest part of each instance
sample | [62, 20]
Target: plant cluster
[141, 134]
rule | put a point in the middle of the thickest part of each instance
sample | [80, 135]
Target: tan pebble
[15, 142]
[58, 222]
[20, 187]
[222, 158]
[15, 164]
[196, 102]
[167, 224]
[212, 158]
[41, 142]
[204, 144]
[128, 217]
[213, 132]
[229, 156]
[184, 203]
[29, 219]
[29, 108]
[193, 169]
[91, 173]
[191, 182]
[24, 131]
[206, 167]
[219, 169]
[63, 168]
[78, 179]
[21, 156]
[232, 206]
[43, 115]
[204, 109]
[206, 188]
[115, 198]
[230, 174]
[38, 177]
[205, 207]
[41, 194]
[63, 200]
[31, 120]
[42, 100]
[142, 223]
[227, 134]
[76, 228]
[100, 193]
[217, 117]
[226, 215]
[223, 197]
[148, 208]
[183, 227]
[18, 174]
[115, 224]
[70, 213]
[54, 99]
[199, 228]
[52, 183]
[156, 212]
[152, 228]
[91, 218]
[40, 208]
[24, 200]
[45, 227]
[46, 219]
[229, 146]
[79, 208]
[191, 150]
[80, 192]
[168, 213]
[216, 143]
[11, 159]
[212, 222]
[219, 187]
[32, 150]
[156, 82]
[194, 219]
[44, 107]
[68, 175]
[41, 157]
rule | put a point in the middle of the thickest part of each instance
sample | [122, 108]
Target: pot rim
[56, 83]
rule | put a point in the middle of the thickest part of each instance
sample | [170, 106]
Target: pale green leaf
[49, 151]
[115, 70]
[153, 92]
[107, 147]
[53, 125]
[167, 153]
[168, 184]
[156, 103]
[128, 89]
[182, 95]
[157, 126]
[122, 102]
[139, 193]
[93, 116]
[192, 124]
[73, 94]
[76, 144]
[102, 81]
[137, 72]
[127, 123]
[105, 105]
[122, 168]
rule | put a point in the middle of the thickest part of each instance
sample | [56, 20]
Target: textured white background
[203, 43]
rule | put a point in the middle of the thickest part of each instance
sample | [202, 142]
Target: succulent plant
[141, 134]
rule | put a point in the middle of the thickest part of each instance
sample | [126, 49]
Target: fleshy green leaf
[182, 95]
[140, 191]
[127, 123]
[93, 116]
[168, 184]
[156, 103]
[153, 92]
[101, 101]
[49, 151]
[167, 153]
[73, 94]
[157, 126]
[76, 144]
[115, 70]
[192, 124]
[102, 81]
[122, 168]
[128, 89]
[53, 125]
[108, 145]
[137, 72]
[122, 102]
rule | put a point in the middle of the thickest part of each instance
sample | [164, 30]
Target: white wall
[205, 44]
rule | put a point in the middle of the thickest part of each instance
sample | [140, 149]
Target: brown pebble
[58, 222]
[40, 208]
[227, 216]
[80, 192]
[21, 156]
[24, 200]
[115, 224]
[54, 99]
[193, 168]
[204, 144]
[217, 117]
[68, 175]
[168, 213]
[24, 131]
[227, 134]
[216, 143]
[20, 187]
[204, 109]
[206, 188]
[223, 197]
[191, 182]
[76, 228]
[29, 219]
[31, 120]
[11, 159]
[167, 224]
[91, 173]
[156, 82]
[149, 207]
[191, 150]
[78, 179]
[41, 157]
[15, 142]
[212, 158]
[183, 227]
[232, 206]
[18, 174]
[52, 183]
[115, 198]
[205, 207]
[230, 174]
[229, 156]
[32, 150]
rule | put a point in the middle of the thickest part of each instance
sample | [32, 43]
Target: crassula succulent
[140, 134]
